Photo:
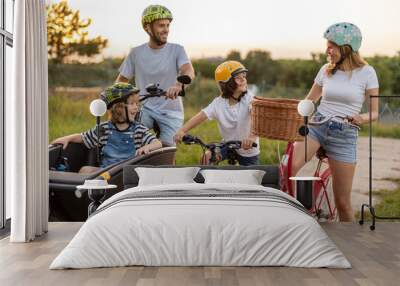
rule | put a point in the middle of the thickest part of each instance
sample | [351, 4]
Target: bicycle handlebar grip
[237, 142]
[79, 193]
[188, 139]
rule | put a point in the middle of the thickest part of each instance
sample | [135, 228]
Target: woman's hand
[248, 143]
[179, 135]
[356, 120]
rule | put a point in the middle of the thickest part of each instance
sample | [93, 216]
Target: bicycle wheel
[325, 207]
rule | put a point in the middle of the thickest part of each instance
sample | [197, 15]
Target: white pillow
[166, 176]
[249, 177]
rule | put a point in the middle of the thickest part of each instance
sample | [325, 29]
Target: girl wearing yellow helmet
[232, 112]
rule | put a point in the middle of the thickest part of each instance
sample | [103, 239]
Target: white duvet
[183, 231]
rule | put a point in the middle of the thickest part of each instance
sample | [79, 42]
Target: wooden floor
[374, 255]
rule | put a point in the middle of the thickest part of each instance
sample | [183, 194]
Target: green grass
[71, 115]
[382, 130]
[67, 116]
[389, 203]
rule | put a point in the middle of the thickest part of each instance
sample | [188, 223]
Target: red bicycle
[323, 201]
[323, 207]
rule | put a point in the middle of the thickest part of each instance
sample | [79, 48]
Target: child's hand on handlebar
[248, 143]
[179, 135]
[63, 140]
[174, 91]
[143, 150]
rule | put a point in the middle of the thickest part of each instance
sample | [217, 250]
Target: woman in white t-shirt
[342, 84]
[232, 111]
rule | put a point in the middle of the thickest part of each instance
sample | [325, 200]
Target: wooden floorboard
[374, 255]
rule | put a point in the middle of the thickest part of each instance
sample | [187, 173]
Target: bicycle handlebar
[153, 90]
[232, 144]
[344, 119]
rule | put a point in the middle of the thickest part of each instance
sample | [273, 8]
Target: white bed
[203, 225]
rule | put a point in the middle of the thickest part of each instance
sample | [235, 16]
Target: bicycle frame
[320, 187]
[215, 149]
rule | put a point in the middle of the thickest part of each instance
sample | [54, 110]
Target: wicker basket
[276, 118]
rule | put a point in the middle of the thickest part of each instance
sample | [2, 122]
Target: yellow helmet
[227, 70]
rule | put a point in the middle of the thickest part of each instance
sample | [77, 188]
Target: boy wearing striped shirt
[121, 137]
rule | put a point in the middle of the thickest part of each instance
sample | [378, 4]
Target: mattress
[201, 225]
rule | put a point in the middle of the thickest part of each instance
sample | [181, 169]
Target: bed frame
[270, 179]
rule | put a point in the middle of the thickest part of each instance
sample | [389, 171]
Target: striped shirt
[142, 135]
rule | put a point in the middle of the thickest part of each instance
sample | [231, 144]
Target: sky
[208, 28]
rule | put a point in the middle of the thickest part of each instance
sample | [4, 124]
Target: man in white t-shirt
[158, 62]
[232, 112]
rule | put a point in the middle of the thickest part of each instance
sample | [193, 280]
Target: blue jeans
[168, 124]
[339, 139]
[120, 145]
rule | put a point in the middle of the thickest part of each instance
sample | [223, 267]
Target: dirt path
[385, 164]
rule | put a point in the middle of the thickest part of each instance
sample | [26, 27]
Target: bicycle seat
[321, 154]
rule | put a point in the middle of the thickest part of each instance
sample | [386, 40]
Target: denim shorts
[339, 139]
[168, 124]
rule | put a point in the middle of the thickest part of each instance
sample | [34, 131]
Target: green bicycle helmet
[344, 34]
[155, 12]
[118, 92]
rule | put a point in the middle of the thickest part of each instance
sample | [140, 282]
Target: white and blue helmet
[344, 34]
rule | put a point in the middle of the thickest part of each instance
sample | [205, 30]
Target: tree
[67, 37]
[234, 55]
[262, 68]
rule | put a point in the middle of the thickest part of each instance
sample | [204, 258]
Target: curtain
[27, 124]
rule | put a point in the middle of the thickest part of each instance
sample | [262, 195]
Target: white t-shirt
[234, 121]
[344, 93]
[159, 66]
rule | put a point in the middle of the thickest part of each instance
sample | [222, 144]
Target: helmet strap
[240, 96]
[126, 111]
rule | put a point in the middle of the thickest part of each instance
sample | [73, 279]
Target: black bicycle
[215, 149]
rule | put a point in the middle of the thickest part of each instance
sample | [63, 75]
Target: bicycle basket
[276, 118]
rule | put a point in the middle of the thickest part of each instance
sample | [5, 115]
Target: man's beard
[156, 39]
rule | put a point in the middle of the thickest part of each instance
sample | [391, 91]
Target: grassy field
[71, 115]
[389, 205]
[382, 130]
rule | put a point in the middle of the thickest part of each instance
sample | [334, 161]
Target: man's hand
[248, 142]
[179, 135]
[173, 91]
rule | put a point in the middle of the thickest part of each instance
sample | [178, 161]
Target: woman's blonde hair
[352, 60]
